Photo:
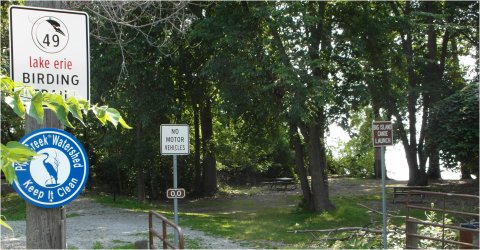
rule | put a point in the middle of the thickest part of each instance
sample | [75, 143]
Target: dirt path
[90, 224]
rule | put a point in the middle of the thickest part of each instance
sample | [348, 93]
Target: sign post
[49, 50]
[383, 136]
[174, 140]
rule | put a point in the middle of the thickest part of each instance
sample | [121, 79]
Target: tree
[425, 72]
[127, 35]
[368, 42]
[459, 129]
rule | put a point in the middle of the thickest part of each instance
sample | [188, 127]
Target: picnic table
[402, 190]
[283, 183]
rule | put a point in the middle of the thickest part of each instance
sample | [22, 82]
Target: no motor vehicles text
[174, 139]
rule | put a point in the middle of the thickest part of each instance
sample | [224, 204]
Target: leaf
[75, 108]
[57, 105]
[16, 147]
[113, 116]
[16, 104]
[123, 123]
[7, 84]
[100, 113]
[14, 152]
[9, 172]
[104, 114]
[84, 105]
[36, 107]
[4, 223]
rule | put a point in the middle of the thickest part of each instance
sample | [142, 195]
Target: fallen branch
[380, 213]
[336, 230]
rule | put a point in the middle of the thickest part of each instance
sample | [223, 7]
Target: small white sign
[50, 51]
[174, 139]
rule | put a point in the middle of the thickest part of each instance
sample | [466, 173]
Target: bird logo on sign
[52, 170]
[56, 26]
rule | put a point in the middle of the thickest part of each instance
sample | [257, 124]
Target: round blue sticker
[58, 174]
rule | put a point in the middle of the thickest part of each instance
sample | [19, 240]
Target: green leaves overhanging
[25, 100]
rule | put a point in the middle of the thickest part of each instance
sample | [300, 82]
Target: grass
[264, 226]
[126, 246]
[97, 245]
[124, 202]
[13, 207]
[261, 227]
[72, 215]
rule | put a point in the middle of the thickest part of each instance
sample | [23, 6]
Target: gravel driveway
[91, 223]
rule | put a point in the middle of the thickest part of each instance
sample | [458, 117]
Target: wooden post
[45, 228]
[411, 229]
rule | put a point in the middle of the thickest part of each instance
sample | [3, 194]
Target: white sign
[174, 139]
[50, 51]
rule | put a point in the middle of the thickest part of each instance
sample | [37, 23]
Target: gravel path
[92, 223]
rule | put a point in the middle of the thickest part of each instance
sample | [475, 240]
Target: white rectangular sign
[50, 51]
[174, 139]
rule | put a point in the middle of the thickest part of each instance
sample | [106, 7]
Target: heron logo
[58, 174]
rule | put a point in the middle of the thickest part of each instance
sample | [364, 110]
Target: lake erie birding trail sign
[50, 50]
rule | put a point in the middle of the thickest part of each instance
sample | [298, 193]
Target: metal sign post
[175, 200]
[174, 140]
[383, 136]
[384, 200]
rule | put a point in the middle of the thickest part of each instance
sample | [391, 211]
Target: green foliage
[356, 156]
[459, 114]
[25, 100]
[14, 153]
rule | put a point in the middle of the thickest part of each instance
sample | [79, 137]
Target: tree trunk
[198, 167]
[416, 176]
[139, 164]
[317, 156]
[466, 173]
[434, 165]
[300, 167]
[209, 170]
[377, 164]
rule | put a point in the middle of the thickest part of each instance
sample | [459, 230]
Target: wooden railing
[163, 235]
[468, 237]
